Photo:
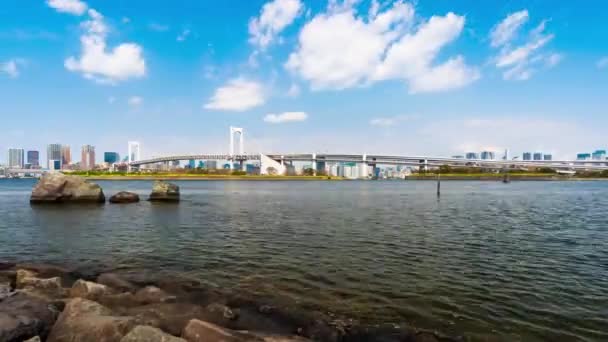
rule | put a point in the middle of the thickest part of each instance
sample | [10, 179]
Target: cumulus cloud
[102, 64]
[602, 63]
[12, 67]
[135, 101]
[341, 49]
[237, 95]
[285, 117]
[275, 16]
[75, 7]
[520, 61]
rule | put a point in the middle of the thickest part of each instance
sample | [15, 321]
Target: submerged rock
[143, 333]
[125, 197]
[57, 188]
[115, 281]
[85, 320]
[152, 294]
[23, 316]
[164, 192]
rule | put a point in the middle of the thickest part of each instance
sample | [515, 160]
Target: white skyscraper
[16, 158]
[134, 151]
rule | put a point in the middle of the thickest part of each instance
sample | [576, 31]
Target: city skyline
[520, 77]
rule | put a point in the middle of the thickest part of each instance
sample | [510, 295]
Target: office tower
[192, 164]
[583, 156]
[111, 157]
[487, 155]
[537, 156]
[54, 165]
[211, 164]
[134, 151]
[53, 153]
[66, 156]
[16, 158]
[87, 159]
[506, 155]
[547, 157]
[599, 155]
[201, 164]
[33, 158]
[472, 155]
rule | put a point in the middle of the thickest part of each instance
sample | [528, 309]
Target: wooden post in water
[438, 184]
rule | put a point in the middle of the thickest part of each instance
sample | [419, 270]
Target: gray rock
[115, 281]
[201, 331]
[23, 316]
[170, 317]
[125, 197]
[223, 310]
[152, 294]
[56, 188]
[87, 321]
[88, 290]
[164, 192]
[143, 333]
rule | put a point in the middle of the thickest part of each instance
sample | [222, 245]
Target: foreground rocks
[44, 303]
[124, 197]
[57, 188]
[164, 192]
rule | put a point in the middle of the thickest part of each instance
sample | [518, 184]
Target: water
[525, 261]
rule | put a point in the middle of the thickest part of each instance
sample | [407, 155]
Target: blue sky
[396, 77]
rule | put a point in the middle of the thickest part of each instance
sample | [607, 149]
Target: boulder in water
[23, 316]
[144, 333]
[56, 188]
[164, 192]
[125, 197]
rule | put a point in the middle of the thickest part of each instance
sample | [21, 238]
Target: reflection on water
[524, 261]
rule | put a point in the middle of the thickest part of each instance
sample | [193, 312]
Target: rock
[200, 331]
[119, 300]
[125, 197]
[49, 288]
[23, 316]
[56, 187]
[6, 265]
[164, 192]
[115, 281]
[143, 333]
[34, 339]
[5, 290]
[86, 321]
[225, 311]
[170, 317]
[23, 274]
[152, 294]
[88, 290]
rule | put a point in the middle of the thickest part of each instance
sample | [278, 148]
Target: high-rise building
[87, 159]
[547, 157]
[527, 156]
[599, 155]
[66, 156]
[16, 158]
[487, 155]
[191, 164]
[134, 151]
[472, 155]
[111, 157]
[53, 152]
[537, 156]
[211, 164]
[583, 156]
[33, 158]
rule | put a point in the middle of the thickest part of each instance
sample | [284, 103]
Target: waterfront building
[599, 155]
[201, 164]
[458, 157]
[192, 164]
[212, 164]
[487, 155]
[538, 156]
[66, 156]
[134, 151]
[583, 156]
[547, 157]
[16, 158]
[472, 155]
[111, 157]
[54, 165]
[33, 158]
[527, 156]
[53, 153]
[87, 157]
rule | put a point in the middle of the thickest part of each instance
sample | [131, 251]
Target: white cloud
[340, 49]
[506, 29]
[75, 7]
[275, 16]
[286, 117]
[11, 67]
[294, 90]
[237, 95]
[520, 62]
[391, 121]
[100, 64]
[602, 63]
[135, 101]
[183, 35]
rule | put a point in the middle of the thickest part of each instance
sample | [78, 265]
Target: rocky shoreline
[40, 302]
